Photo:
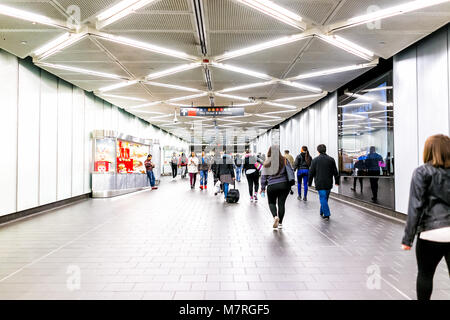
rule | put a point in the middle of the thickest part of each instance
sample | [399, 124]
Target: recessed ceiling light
[23, 42]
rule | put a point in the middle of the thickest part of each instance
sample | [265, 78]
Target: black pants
[374, 183]
[429, 254]
[174, 170]
[360, 183]
[277, 194]
[253, 182]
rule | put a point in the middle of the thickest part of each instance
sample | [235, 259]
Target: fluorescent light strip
[275, 11]
[171, 86]
[380, 111]
[301, 97]
[266, 116]
[146, 105]
[348, 46]
[119, 11]
[32, 17]
[144, 46]
[354, 116]
[247, 86]
[58, 44]
[284, 111]
[262, 46]
[333, 71]
[241, 70]
[231, 96]
[122, 97]
[377, 89]
[301, 86]
[188, 97]
[117, 86]
[171, 71]
[79, 70]
[280, 105]
[148, 112]
[356, 104]
[393, 11]
[244, 105]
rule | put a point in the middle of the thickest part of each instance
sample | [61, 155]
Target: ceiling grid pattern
[146, 55]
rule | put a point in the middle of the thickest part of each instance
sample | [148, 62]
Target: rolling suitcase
[233, 194]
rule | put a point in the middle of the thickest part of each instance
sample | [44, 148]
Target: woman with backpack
[302, 164]
[429, 213]
[276, 174]
[252, 173]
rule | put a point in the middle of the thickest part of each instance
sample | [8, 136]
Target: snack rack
[118, 163]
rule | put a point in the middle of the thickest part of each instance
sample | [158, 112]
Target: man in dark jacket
[323, 169]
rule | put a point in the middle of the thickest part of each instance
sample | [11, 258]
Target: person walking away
[226, 173]
[323, 169]
[289, 157]
[301, 164]
[149, 166]
[183, 165]
[360, 170]
[238, 164]
[291, 161]
[275, 178]
[372, 162]
[252, 174]
[174, 165]
[204, 167]
[429, 213]
[192, 168]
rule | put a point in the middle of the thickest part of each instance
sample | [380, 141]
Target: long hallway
[177, 243]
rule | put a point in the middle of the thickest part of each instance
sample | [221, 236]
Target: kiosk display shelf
[118, 164]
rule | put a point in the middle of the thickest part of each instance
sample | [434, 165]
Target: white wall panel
[405, 125]
[64, 140]
[48, 138]
[8, 130]
[78, 142]
[107, 116]
[99, 117]
[28, 137]
[432, 93]
[89, 126]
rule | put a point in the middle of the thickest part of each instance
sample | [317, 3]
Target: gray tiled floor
[177, 243]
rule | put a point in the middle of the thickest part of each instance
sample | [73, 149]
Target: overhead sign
[210, 111]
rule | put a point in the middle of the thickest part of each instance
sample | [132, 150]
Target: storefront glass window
[366, 142]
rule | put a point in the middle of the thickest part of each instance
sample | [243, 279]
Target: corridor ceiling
[272, 58]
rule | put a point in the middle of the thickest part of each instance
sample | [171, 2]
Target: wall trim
[28, 213]
[369, 208]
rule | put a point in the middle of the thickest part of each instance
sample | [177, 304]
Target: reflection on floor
[178, 243]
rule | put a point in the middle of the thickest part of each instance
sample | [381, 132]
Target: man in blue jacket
[323, 169]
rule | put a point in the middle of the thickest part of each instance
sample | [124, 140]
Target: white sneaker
[251, 199]
[255, 197]
[275, 222]
[280, 226]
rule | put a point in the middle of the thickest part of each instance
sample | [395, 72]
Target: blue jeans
[302, 174]
[238, 173]
[323, 197]
[225, 189]
[203, 177]
[151, 177]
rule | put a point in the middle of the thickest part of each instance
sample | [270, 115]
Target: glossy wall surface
[45, 129]
[422, 106]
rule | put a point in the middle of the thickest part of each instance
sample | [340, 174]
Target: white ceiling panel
[398, 32]
[152, 21]
[314, 11]
[88, 8]
[321, 55]
[41, 7]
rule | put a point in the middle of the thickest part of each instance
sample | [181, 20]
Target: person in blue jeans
[149, 166]
[301, 164]
[225, 172]
[204, 167]
[238, 165]
[323, 169]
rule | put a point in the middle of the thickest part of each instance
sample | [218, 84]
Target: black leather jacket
[301, 163]
[429, 201]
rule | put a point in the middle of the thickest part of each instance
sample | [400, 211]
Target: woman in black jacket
[429, 212]
[252, 174]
